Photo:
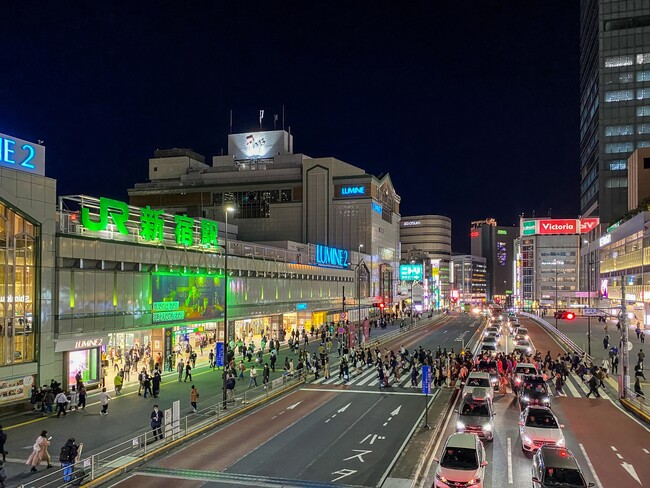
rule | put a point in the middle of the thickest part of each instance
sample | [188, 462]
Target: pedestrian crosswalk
[573, 387]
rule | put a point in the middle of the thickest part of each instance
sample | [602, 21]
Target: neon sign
[151, 223]
[332, 257]
[410, 272]
[22, 155]
[353, 190]
[377, 207]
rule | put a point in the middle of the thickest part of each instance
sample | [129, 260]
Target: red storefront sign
[559, 226]
[588, 224]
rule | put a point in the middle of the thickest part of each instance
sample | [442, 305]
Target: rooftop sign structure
[22, 155]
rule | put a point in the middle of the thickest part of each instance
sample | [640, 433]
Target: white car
[462, 462]
[538, 426]
[489, 348]
[475, 380]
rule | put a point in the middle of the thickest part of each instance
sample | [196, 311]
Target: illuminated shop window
[18, 240]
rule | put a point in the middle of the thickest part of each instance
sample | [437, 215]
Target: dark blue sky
[472, 107]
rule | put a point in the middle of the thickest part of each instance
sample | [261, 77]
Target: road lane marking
[385, 391]
[572, 389]
[591, 466]
[631, 471]
[646, 451]
[510, 481]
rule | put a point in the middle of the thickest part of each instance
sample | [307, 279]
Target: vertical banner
[426, 379]
[220, 355]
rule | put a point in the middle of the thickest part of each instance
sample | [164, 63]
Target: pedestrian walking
[266, 373]
[180, 367]
[188, 371]
[61, 401]
[74, 398]
[40, 452]
[3, 440]
[155, 383]
[156, 423]
[141, 376]
[637, 387]
[104, 398]
[640, 357]
[147, 385]
[82, 397]
[211, 360]
[117, 383]
[194, 396]
[68, 457]
[230, 388]
[252, 376]
[593, 386]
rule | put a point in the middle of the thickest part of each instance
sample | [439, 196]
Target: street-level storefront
[82, 355]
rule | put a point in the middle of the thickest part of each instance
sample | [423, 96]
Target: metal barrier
[637, 402]
[143, 443]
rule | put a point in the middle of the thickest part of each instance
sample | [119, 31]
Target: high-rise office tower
[614, 100]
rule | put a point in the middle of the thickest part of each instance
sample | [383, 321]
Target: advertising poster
[14, 389]
[187, 297]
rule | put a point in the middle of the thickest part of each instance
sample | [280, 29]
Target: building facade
[614, 100]
[427, 239]
[469, 278]
[282, 196]
[496, 244]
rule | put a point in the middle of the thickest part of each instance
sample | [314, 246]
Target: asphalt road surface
[328, 433]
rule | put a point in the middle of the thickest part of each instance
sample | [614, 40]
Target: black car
[557, 467]
[533, 391]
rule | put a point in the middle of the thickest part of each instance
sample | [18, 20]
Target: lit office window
[619, 95]
[642, 93]
[619, 130]
[643, 144]
[643, 58]
[618, 165]
[643, 129]
[643, 111]
[616, 61]
[619, 147]
[643, 75]
[616, 182]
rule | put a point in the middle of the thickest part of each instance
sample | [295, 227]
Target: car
[523, 347]
[491, 337]
[476, 415]
[489, 348]
[490, 366]
[478, 379]
[462, 462]
[522, 331]
[492, 329]
[533, 391]
[557, 466]
[538, 426]
[518, 373]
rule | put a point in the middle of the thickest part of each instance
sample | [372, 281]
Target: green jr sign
[151, 224]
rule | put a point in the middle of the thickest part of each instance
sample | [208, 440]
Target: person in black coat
[156, 423]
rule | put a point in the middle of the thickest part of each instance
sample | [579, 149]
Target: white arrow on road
[291, 407]
[630, 469]
[396, 411]
[340, 410]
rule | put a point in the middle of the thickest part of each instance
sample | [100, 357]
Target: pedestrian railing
[637, 402]
[143, 443]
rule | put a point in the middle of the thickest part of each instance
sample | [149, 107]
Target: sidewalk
[129, 413]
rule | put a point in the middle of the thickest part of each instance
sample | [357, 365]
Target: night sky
[472, 107]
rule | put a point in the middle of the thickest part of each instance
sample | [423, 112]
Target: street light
[225, 309]
[359, 292]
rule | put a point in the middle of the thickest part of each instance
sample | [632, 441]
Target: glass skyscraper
[614, 100]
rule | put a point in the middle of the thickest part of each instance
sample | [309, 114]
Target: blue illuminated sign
[301, 306]
[377, 208]
[22, 155]
[410, 272]
[353, 190]
[329, 256]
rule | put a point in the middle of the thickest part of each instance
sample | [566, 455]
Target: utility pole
[589, 304]
[556, 310]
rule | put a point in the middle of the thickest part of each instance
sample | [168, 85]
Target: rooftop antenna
[549, 212]
[283, 117]
[275, 122]
[230, 121]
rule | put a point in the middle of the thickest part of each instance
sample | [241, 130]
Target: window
[619, 95]
[646, 163]
[619, 130]
[642, 93]
[643, 129]
[643, 111]
[616, 61]
[643, 58]
[619, 147]
[616, 182]
[618, 165]
[643, 75]
[643, 144]
[626, 77]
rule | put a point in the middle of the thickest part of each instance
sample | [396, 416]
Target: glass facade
[18, 256]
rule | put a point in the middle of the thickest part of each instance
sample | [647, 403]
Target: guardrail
[143, 444]
[639, 404]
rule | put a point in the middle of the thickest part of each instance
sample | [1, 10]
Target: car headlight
[473, 481]
[517, 380]
[460, 425]
[487, 427]
[526, 398]
[494, 380]
[441, 478]
[560, 443]
[526, 440]
[546, 399]
[528, 349]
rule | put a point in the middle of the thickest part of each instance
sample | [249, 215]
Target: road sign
[343, 315]
[426, 379]
[219, 354]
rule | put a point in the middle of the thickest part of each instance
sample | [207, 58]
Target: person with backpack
[68, 457]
